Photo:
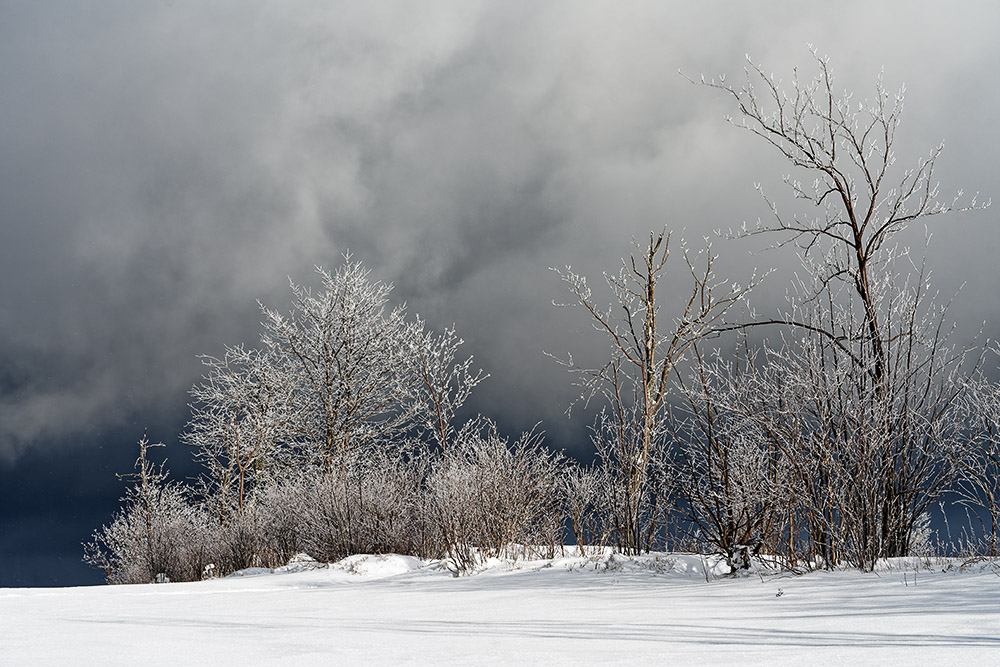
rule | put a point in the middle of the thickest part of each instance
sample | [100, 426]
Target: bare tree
[636, 380]
[863, 202]
[883, 379]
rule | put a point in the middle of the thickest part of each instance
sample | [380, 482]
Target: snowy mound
[380, 566]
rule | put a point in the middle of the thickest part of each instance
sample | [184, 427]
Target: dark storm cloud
[164, 164]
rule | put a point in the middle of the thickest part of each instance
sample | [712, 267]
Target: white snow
[375, 610]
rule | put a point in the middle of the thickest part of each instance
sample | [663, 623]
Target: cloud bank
[165, 164]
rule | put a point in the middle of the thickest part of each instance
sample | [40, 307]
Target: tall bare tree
[636, 381]
[863, 318]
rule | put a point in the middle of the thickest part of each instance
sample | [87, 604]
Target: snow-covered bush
[371, 506]
[280, 508]
[158, 531]
[583, 492]
[732, 481]
[979, 486]
[494, 498]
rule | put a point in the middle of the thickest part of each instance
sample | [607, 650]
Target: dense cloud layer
[165, 164]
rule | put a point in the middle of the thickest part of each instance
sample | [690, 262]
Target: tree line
[823, 435]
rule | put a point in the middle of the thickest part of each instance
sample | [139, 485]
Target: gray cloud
[163, 165]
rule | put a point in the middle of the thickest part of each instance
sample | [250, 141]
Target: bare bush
[373, 507]
[159, 534]
[583, 492]
[494, 498]
[979, 488]
[732, 483]
[631, 514]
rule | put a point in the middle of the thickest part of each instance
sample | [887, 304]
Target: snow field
[656, 609]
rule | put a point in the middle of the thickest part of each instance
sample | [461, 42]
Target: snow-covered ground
[397, 610]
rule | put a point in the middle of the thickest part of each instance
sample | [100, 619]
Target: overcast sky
[163, 165]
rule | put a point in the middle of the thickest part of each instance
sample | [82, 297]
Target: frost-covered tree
[442, 383]
[321, 440]
[243, 414]
[345, 347]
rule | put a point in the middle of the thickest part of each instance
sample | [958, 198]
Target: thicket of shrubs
[489, 498]
[827, 442]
